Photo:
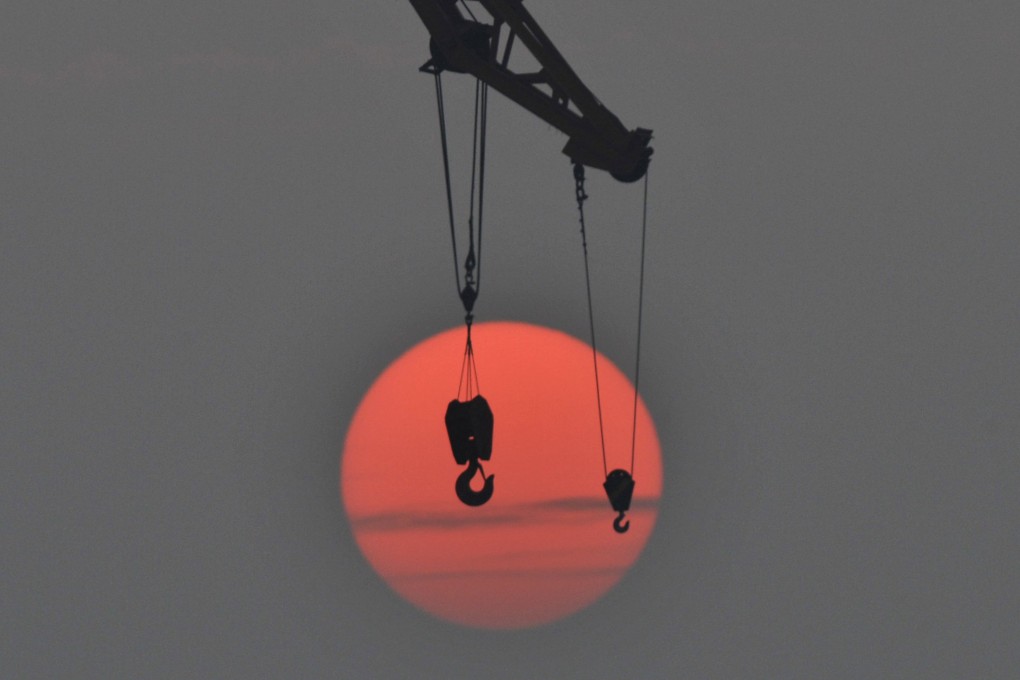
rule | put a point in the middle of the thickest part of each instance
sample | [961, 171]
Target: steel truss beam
[596, 137]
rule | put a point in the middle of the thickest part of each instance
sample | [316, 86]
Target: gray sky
[222, 221]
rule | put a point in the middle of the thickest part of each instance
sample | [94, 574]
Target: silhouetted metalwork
[469, 425]
[468, 422]
[554, 93]
[472, 264]
[581, 198]
[619, 486]
[465, 493]
[596, 138]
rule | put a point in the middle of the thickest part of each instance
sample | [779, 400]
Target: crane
[596, 137]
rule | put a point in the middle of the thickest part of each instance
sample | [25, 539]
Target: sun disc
[543, 547]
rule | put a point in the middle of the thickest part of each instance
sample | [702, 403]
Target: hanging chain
[581, 198]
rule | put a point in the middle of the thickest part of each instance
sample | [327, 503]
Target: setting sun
[543, 547]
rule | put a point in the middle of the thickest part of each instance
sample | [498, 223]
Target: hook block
[469, 426]
[619, 486]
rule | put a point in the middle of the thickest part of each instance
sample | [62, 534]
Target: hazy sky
[221, 221]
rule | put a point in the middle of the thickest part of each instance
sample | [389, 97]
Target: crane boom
[596, 137]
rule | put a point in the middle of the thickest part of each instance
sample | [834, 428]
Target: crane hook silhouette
[469, 496]
[619, 486]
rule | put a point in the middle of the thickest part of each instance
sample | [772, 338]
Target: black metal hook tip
[619, 525]
[466, 494]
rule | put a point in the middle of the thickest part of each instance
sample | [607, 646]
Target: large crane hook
[469, 426]
[465, 493]
[619, 486]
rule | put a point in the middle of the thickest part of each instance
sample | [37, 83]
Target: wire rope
[470, 13]
[473, 262]
[581, 197]
[446, 172]
[641, 305]
[483, 116]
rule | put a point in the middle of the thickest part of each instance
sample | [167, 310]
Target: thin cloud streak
[548, 572]
[578, 509]
[410, 520]
[587, 503]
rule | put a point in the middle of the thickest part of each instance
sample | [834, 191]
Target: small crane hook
[469, 496]
[621, 526]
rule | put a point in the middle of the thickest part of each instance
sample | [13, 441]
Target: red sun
[544, 546]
